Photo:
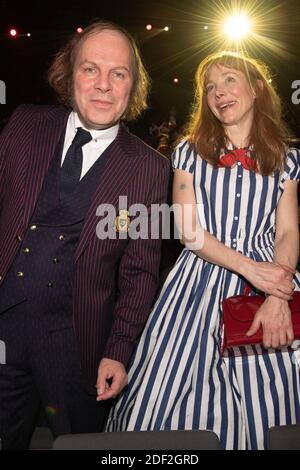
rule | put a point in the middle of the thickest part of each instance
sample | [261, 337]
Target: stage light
[28, 35]
[176, 80]
[79, 30]
[13, 32]
[148, 27]
[237, 26]
[166, 28]
[205, 27]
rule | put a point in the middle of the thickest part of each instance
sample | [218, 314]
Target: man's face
[102, 79]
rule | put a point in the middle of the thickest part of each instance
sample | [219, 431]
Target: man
[71, 302]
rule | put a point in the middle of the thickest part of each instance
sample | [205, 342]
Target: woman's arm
[267, 277]
[286, 250]
[275, 316]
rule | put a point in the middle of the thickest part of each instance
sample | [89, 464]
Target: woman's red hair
[269, 134]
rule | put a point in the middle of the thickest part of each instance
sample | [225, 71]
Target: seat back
[142, 440]
[284, 437]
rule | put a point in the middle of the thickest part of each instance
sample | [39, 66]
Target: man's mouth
[102, 103]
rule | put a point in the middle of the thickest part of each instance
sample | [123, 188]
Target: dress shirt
[101, 138]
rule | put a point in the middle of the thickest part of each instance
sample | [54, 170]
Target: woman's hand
[272, 278]
[274, 316]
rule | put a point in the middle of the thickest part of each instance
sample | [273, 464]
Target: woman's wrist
[244, 266]
[273, 299]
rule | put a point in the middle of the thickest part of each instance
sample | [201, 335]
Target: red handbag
[238, 314]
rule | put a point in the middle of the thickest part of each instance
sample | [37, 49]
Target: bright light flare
[149, 27]
[13, 32]
[237, 26]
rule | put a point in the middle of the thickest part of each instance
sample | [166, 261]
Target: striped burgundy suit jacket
[106, 325]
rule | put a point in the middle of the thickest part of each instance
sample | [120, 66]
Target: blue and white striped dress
[177, 377]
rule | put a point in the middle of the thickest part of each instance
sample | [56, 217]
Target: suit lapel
[47, 133]
[121, 167]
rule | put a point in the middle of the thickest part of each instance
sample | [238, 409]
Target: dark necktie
[241, 155]
[72, 165]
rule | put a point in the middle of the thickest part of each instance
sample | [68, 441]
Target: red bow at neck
[229, 159]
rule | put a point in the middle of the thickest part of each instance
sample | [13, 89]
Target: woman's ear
[259, 86]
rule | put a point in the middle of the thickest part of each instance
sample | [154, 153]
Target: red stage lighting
[13, 32]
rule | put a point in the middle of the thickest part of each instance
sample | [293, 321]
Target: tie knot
[81, 138]
[238, 155]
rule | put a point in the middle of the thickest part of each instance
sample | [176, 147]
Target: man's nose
[103, 83]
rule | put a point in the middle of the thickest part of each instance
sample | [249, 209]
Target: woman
[235, 164]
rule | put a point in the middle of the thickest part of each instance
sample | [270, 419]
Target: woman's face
[230, 96]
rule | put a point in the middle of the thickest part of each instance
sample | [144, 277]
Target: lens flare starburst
[237, 26]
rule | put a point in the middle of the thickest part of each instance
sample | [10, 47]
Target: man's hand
[115, 373]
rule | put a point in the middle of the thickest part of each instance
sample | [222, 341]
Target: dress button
[239, 176]
[61, 237]
[234, 245]
[239, 163]
[20, 274]
[235, 217]
[18, 238]
[33, 227]
[50, 285]
[26, 250]
[238, 195]
[234, 239]
[55, 260]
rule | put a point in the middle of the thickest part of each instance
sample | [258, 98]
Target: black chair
[284, 437]
[42, 439]
[140, 440]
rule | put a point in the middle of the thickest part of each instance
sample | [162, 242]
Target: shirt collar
[97, 134]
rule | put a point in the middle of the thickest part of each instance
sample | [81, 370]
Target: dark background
[24, 61]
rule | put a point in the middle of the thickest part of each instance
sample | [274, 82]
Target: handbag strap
[247, 289]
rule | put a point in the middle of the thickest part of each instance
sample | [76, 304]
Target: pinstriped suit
[103, 328]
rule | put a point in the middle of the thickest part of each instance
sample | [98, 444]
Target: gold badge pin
[122, 221]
